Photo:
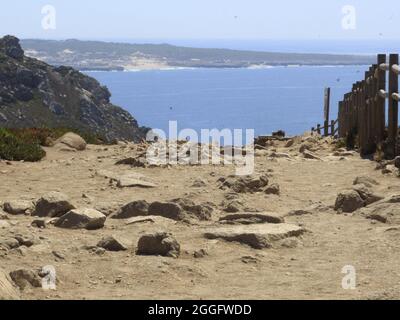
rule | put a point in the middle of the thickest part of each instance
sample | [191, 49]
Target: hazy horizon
[253, 20]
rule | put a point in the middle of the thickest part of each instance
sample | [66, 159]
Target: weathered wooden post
[340, 120]
[327, 98]
[393, 106]
[332, 128]
[381, 98]
[318, 128]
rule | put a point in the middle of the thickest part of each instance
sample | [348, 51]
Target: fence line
[362, 113]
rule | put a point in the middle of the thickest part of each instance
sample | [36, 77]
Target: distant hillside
[35, 94]
[86, 55]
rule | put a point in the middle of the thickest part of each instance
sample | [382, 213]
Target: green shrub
[42, 135]
[14, 148]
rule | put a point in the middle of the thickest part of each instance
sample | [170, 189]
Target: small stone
[24, 278]
[112, 244]
[17, 207]
[161, 243]
[299, 212]
[251, 218]
[199, 183]
[132, 209]
[168, 210]
[309, 155]
[365, 180]
[89, 219]
[7, 290]
[257, 236]
[53, 204]
[39, 223]
[348, 201]
[273, 189]
[200, 254]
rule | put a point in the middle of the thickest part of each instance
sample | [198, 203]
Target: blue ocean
[287, 98]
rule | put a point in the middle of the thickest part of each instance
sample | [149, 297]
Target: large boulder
[71, 140]
[349, 201]
[89, 219]
[159, 244]
[53, 204]
[132, 209]
[7, 290]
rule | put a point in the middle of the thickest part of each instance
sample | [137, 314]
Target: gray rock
[233, 206]
[159, 244]
[244, 184]
[112, 244]
[11, 47]
[7, 290]
[9, 243]
[26, 240]
[365, 180]
[53, 204]
[251, 218]
[18, 207]
[385, 211]
[309, 155]
[134, 180]
[201, 212]
[397, 162]
[89, 219]
[132, 209]
[349, 201]
[258, 236]
[273, 189]
[72, 140]
[299, 212]
[24, 278]
[366, 194]
[199, 183]
[168, 210]
[39, 223]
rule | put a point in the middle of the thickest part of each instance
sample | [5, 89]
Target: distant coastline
[108, 56]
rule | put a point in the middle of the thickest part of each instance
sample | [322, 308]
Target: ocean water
[287, 98]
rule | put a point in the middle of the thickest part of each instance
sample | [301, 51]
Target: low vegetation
[15, 148]
[25, 143]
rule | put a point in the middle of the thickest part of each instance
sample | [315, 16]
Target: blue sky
[202, 19]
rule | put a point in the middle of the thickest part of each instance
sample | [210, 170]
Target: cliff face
[35, 94]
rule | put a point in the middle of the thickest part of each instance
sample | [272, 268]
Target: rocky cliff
[35, 94]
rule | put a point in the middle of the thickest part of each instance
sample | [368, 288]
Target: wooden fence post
[393, 107]
[327, 98]
[381, 101]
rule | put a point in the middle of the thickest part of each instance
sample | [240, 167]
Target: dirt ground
[309, 267]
